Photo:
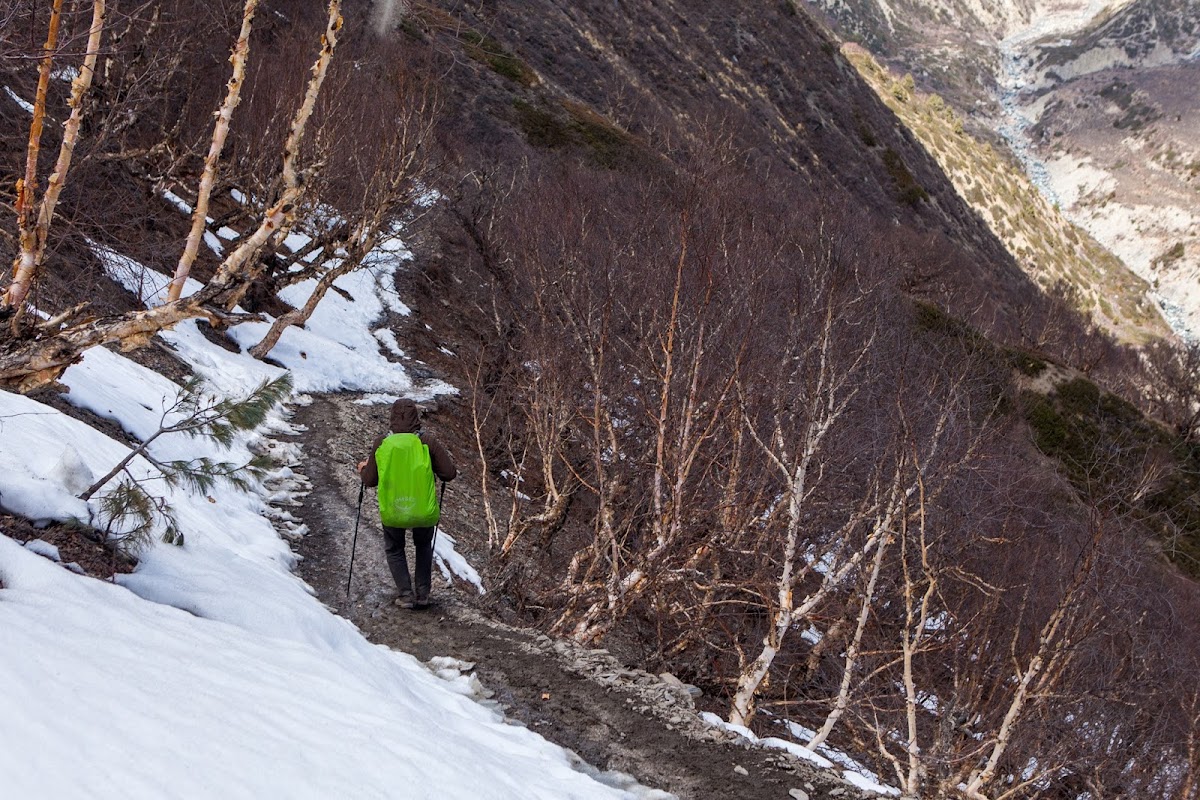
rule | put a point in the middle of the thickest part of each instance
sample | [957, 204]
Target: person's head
[406, 417]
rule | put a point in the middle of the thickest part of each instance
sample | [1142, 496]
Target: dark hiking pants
[393, 547]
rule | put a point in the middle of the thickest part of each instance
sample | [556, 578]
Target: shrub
[908, 191]
[1173, 254]
[609, 145]
[541, 127]
[1026, 363]
[606, 144]
[1103, 444]
[485, 49]
[866, 134]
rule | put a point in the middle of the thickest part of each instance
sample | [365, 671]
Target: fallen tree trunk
[29, 365]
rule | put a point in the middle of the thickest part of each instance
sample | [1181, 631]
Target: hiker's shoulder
[379, 440]
[442, 462]
[432, 441]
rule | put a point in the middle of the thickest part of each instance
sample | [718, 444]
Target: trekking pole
[441, 494]
[362, 488]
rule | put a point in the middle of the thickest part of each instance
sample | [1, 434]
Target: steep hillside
[634, 288]
[952, 48]
[1144, 34]
[676, 78]
[1048, 247]
[1096, 100]
[746, 392]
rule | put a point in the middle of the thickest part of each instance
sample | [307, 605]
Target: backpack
[407, 494]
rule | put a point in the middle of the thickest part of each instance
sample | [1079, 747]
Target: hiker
[403, 465]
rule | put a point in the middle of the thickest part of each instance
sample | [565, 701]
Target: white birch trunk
[843, 696]
[825, 409]
[40, 362]
[284, 208]
[25, 263]
[1047, 639]
[79, 88]
[668, 374]
[233, 95]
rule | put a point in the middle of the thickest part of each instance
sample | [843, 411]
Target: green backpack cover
[407, 494]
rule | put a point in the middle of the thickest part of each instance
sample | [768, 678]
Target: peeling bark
[224, 115]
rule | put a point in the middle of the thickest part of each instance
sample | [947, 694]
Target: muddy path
[614, 717]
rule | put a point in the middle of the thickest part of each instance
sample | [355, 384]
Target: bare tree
[35, 232]
[224, 117]
[373, 185]
[1174, 385]
[825, 360]
[27, 364]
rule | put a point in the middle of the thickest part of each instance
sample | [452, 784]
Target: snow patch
[115, 696]
[826, 758]
[24, 104]
[450, 562]
[43, 549]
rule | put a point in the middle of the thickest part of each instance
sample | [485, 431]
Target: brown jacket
[407, 419]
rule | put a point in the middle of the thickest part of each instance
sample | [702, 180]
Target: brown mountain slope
[671, 77]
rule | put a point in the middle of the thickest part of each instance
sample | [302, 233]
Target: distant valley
[1099, 104]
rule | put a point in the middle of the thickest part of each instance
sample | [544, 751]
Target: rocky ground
[614, 717]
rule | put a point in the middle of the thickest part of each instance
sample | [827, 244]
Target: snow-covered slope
[265, 694]
[212, 671]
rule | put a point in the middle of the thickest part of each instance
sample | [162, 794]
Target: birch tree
[208, 177]
[379, 186]
[34, 228]
[825, 366]
[685, 365]
[1042, 669]
[26, 364]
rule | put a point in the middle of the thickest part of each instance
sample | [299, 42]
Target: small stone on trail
[740, 770]
[798, 794]
[670, 680]
[837, 792]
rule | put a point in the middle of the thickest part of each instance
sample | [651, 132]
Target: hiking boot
[421, 603]
[405, 600]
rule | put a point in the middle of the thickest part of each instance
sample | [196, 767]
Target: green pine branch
[207, 416]
[195, 414]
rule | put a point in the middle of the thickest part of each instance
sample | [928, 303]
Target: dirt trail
[616, 719]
